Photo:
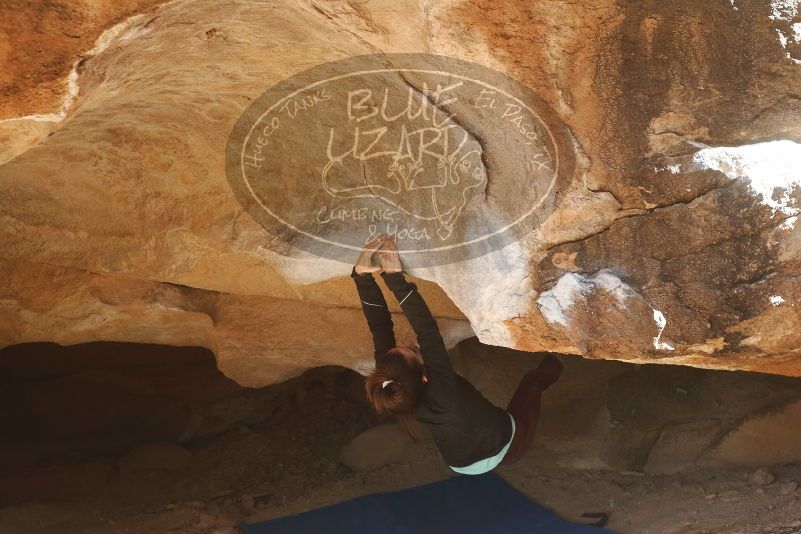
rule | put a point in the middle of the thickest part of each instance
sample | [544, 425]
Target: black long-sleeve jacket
[465, 425]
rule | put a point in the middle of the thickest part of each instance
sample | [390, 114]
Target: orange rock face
[670, 237]
[41, 43]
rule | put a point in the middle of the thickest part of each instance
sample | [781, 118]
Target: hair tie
[385, 382]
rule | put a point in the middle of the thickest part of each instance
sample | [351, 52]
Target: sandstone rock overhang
[673, 240]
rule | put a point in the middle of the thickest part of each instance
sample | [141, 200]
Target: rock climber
[418, 385]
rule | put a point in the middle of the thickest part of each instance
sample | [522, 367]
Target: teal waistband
[487, 464]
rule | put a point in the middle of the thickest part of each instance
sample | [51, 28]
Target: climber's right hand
[365, 264]
[389, 256]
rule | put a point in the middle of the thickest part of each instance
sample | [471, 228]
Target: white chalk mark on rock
[783, 9]
[784, 39]
[66, 103]
[767, 167]
[776, 300]
[571, 286]
[554, 302]
[788, 224]
[787, 10]
[796, 32]
[609, 281]
[661, 322]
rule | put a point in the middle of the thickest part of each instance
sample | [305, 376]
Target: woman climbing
[417, 384]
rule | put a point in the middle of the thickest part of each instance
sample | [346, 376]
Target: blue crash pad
[461, 504]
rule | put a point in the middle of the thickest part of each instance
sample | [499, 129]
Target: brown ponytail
[402, 393]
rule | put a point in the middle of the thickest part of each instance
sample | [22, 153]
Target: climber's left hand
[365, 262]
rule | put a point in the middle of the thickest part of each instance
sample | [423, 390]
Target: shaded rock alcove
[88, 420]
[670, 237]
[155, 437]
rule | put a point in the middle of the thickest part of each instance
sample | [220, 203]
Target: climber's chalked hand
[389, 256]
[365, 262]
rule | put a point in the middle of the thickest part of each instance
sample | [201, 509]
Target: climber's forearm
[375, 311]
[432, 347]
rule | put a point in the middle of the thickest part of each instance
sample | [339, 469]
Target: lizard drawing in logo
[419, 161]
